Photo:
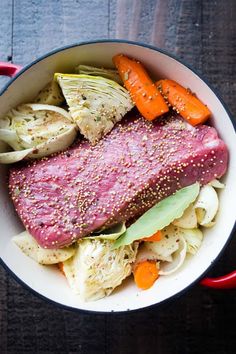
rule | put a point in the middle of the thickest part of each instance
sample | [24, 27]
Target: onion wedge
[167, 268]
[36, 130]
[43, 256]
[14, 156]
[188, 220]
[206, 206]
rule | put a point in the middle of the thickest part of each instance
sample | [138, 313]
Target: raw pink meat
[65, 197]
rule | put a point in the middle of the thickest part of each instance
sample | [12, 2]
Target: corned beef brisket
[67, 196]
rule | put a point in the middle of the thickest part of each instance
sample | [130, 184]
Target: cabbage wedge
[95, 103]
[35, 130]
[111, 74]
[96, 270]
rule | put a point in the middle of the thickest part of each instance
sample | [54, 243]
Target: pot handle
[9, 69]
[224, 282]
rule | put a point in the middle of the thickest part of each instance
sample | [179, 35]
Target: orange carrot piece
[60, 266]
[143, 91]
[145, 274]
[154, 238]
[184, 102]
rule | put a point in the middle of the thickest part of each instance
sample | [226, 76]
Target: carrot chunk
[184, 102]
[154, 238]
[145, 274]
[61, 267]
[143, 91]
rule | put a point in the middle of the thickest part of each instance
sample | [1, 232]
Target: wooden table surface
[203, 33]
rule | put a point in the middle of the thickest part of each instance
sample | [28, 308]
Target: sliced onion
[163, 249]
[57, 133]
[30, 247]
[3, 147]
[55, 144]
[11, 138]
[147, 253]
[48, 107]
[193, 237]
[167, 245]
[14, 156]
[204, 210]
[27, 244]
[167, 268]
[206, 205]
[210, 224]
[216, 184]
[188, 220]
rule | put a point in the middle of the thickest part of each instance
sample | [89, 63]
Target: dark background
[203, 33]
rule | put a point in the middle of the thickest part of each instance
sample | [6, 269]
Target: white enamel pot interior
[47, 281]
